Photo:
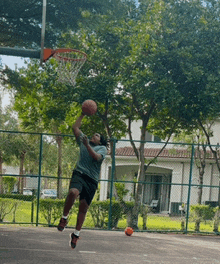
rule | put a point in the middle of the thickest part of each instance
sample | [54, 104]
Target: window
[148, 136]
[152, 138]
[157, 139]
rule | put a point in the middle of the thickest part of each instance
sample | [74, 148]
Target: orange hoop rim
[48, 53]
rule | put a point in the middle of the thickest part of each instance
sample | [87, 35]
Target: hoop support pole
[43, 30]
[28, 53]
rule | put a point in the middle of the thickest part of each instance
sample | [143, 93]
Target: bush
[18, 196]
[99, 211]
[200, 213]
[51, 209]
[145, 209]
[216, 219]
[9, 183]
[6, 207]
[117, 213]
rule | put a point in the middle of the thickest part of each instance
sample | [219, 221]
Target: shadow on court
[36, 245]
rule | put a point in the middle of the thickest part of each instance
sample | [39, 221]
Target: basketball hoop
[70, 61]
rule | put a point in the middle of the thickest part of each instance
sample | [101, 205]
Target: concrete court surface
[40, 245]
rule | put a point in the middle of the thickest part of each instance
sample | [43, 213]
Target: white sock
[76, 232]
[65, 217]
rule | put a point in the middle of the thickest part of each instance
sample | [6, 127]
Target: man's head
[98, 139]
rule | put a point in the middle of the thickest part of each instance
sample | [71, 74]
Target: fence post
[112, 185]
[189, 189]
[39, 177]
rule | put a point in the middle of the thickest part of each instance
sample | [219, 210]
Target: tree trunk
[216, 221]
[197, 225]
[1, 171]
[21, 172]
[215, 153]
[201, 166]
[140, 179]
[200, 189]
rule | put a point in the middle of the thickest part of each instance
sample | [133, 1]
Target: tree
[214, 149]
[166, 75]
[198, 139]
[21, 19]
[149, 65]
[48, 106]
[7, 122]
[41, 106]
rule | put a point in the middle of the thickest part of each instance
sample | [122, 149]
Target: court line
[33, 249]
[88, 252]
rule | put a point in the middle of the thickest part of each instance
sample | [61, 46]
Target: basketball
[128, 231]
[89, 107]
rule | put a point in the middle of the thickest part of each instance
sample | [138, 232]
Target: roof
[153, 152]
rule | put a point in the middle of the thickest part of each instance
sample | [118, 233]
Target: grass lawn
[166, 223]
[154, 222]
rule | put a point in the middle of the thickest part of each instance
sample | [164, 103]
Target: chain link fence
[174, 190]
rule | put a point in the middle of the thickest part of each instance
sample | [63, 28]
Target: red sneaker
[73, 241]
[62, 224]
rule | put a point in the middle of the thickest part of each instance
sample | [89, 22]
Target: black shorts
[85, 184]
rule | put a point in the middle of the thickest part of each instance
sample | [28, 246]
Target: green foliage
[121, 190]
[9, 183]
[17, 197]
[144, 210]
[99, 211]
[51, 209]
[16, 204]
[201, 212]
[216, 219]
[6, 207]
[22, 21]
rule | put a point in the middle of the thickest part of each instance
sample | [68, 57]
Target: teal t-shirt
[86, 164]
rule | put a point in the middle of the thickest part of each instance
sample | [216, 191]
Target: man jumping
[85, 177]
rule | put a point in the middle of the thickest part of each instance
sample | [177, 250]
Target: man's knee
[74, 192]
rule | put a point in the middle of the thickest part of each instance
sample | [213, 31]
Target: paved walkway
[39, 245]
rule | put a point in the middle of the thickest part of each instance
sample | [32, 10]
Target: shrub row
[52, 209]
[17, 196]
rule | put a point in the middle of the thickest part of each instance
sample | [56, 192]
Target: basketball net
[69, 64]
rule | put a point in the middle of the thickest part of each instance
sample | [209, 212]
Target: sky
[10, 61]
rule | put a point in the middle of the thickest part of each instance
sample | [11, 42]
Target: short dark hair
[103, 141]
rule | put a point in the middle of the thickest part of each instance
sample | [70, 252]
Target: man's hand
[85, 140]
[91, 151]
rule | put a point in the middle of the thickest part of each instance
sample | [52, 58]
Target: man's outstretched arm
[77, 125]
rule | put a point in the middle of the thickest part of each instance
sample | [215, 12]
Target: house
[12, 171]
[167, 180]
[28, 182]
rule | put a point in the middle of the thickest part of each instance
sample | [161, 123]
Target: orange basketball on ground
[89, 107]
[129, 231]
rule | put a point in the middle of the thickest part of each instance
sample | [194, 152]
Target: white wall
[136, 132]
[10, 170]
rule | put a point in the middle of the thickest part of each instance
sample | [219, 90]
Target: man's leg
[83, 208]
[70, 199]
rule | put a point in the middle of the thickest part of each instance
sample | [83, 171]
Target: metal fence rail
[35, 171]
